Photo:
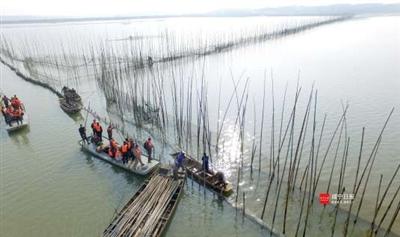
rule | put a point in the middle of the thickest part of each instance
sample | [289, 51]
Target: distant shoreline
[90, 19]
[373, 9]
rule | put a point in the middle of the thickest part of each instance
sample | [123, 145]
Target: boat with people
[71, 94]
[71, 102]
[101, 151]
[214, 180]
[14, 113]
[161, 192]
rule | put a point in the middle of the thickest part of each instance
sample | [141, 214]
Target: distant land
[329, 10]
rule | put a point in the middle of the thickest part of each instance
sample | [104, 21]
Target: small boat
[102, 153]
[211, 179]
[71, 102]
[71, 94]
[17, 126]
[154, 220]
[70, 107]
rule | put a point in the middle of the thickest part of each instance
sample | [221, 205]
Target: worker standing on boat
[179, 160]
[92, 126]
[7, 118]
[205, 162]
[9, 114]
[148, 145]
[112, 151]
[109, 131]
[82, 132]
[6, 101]
[138, 156]
[18, 116]
[131, 147]
[124, 151]
[99, 131]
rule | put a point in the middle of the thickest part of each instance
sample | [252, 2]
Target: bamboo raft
[209, 179]
[150, 210]
[140, 170]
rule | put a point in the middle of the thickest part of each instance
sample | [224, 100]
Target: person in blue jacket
[179, 160]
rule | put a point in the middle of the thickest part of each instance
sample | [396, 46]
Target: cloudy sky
[146, 7]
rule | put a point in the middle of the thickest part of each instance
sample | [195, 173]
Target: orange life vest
[124, 148]
[17, 113]
[98, 128]
[10, 111]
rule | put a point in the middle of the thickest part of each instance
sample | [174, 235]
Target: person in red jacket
[124, 151]
[99, 131]
[15, 102]
[148, 145]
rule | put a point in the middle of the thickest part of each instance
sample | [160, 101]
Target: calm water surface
[47, 180]
[49, 187]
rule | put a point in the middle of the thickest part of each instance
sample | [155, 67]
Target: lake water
[53, 188]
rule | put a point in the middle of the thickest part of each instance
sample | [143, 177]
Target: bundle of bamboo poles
[142, 216]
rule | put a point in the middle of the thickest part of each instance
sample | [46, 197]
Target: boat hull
[15, 126]
[145, 170]
[194, 171]
[70, 108]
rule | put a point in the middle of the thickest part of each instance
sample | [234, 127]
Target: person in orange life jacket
[112, 151]
[95, 128]
[93, 125]
[9, 114]
[148, 145]
[99, 131]
[15, 102]
[124, 151]
[109, 131]
[18, 115]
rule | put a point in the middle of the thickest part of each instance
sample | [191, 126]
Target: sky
[146, 7]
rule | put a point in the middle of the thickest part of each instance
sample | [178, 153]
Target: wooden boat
[15, 126]
[71, 94]
[70, 107]
[103, 155]
[210, 179]
[159, 218]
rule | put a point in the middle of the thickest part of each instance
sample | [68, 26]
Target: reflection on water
[77, 117]
[20, 137]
